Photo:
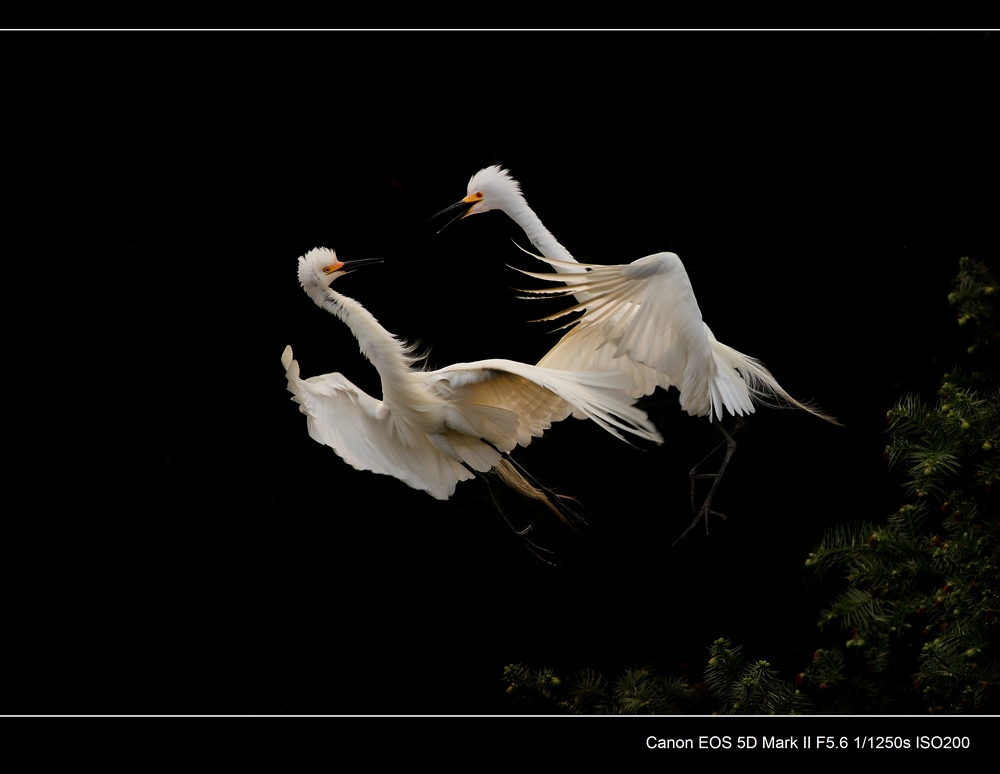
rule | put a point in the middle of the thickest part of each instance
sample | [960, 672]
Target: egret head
[489, 189]
[320, 266]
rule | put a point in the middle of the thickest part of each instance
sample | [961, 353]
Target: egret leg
[533, 547]
[706, 507]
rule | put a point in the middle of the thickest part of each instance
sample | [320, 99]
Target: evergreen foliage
[974, 292]
[640, 691]
[754, 688]
[923, 589]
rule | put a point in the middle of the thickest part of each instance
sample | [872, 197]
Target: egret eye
[479, 194]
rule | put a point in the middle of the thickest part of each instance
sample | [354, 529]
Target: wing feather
[540, 396]
[367, 436]
[645, 315]
[646, 312]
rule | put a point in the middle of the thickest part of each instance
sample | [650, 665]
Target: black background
[820, 188]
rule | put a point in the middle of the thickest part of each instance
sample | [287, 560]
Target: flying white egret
[641, 318]
[433, 428]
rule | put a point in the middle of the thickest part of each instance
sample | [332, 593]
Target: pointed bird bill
[350, 265]
[468, 202]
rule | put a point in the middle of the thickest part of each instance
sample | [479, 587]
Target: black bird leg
[533, 547]
[706, 507]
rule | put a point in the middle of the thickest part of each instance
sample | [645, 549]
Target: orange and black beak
[468, 202]
[350, 265]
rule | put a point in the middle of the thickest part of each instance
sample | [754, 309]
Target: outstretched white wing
[539, 396]
[489, 407]
[364, 432]
[646, 312]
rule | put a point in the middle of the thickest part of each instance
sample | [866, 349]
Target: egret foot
[533, 547]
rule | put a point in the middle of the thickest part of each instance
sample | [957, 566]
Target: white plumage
[431, 429]
[640, 318]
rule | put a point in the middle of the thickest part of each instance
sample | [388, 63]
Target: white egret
[431, 429]
[641, 318]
